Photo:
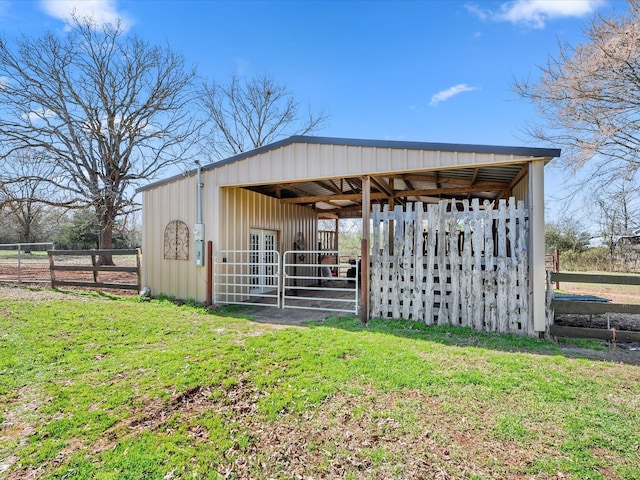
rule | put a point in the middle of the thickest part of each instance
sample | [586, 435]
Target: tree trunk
[106, 238]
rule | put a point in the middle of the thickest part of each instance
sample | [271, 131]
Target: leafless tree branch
[589, 99]
[248, 114]
[103, 109]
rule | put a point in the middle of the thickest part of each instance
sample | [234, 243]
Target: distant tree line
[611, 244]
[67, 230]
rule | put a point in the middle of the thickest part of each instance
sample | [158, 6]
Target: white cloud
[37, 115]
[101, 11]
[536, 13]
[444, 95]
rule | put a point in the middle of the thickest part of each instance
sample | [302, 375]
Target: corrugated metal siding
[241, 210]
[237, 210]
[314, 161]
[521, 190]
[175, 201]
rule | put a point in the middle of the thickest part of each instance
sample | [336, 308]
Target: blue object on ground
[580, 298]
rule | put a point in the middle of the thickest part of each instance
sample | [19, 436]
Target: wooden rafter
[329, 186]
[399, 193]
[519, 176]
[381, 184]
[326, 198]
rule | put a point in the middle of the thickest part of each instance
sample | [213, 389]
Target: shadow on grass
[446, 335]
[467, 337]
[91, 293]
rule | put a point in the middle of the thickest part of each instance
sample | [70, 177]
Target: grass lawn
[115, 388]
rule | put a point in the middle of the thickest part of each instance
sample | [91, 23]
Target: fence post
[556, 265]
[209, 283]
[19, 262]
[95, 272]
[52, 270]
[139, 265]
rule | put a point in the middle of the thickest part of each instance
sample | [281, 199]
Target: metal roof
[342, 196]
[396, 144]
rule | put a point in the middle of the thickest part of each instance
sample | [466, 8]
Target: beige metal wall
[302, 161]
[173, 201]
[241, 210]
[228, 215]
[521, 190]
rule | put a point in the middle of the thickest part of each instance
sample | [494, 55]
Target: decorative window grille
[176, 241]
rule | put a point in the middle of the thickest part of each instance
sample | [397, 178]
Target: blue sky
[436, 71]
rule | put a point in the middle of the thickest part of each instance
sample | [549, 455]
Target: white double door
[263, 246]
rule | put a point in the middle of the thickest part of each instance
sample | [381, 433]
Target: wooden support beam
[447, 191]
[380, 183]
[365, 250]
[326, 198]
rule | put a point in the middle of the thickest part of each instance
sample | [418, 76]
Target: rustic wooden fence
[94, 268]
[447, 266]
[557, 306]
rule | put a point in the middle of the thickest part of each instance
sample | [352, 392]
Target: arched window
[176, 241]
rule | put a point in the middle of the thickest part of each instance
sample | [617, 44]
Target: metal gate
[25, 262]
[309, 283]
[310, 279]
[247, 277]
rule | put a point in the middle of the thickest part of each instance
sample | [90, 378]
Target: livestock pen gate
[447, 266]
[24, 262]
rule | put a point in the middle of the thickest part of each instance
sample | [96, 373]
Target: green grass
[108, 387]
[13, 254]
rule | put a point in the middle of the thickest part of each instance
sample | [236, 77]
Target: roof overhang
[408, 172]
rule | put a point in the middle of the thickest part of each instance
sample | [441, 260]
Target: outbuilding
[452, 233]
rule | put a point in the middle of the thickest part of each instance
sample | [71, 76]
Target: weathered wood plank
[443, 312]
[523, 268]
[454, 264]
[592, 308]
[132, 251]
[489, 276]
[91, 268]
[602, 334]
[69, 283]
[430, 265]
[502, 279]
[466, 292]
[386, 264]
[478, 290]
[418, 252]
[375, 263]
[407, 261]
[595, 278]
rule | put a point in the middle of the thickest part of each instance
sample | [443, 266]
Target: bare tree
[246, 114]
[23, 188]
[105, 109]
[589, 98]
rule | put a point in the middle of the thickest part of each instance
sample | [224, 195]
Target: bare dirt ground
[614, 293]
[38, 275]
